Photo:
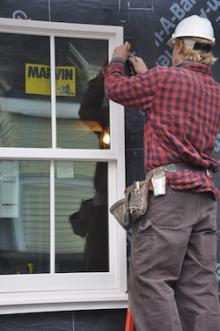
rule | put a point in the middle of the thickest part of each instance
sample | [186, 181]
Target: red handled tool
[129, 324]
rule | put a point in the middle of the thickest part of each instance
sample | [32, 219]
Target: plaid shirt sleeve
[136, 91]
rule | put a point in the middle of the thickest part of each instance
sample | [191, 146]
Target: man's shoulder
[163, 71]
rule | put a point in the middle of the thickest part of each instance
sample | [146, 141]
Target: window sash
[42, 292]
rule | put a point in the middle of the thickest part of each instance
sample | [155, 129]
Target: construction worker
[172, 282]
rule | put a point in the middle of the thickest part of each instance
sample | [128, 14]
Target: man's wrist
[117, 59]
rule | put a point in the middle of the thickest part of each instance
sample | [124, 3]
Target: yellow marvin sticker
[37, 80]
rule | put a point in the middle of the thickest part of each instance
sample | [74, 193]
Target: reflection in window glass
[81, 217]
[24, 91]
[24, 217]
[82, 108]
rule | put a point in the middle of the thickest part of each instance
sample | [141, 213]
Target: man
[172, 282]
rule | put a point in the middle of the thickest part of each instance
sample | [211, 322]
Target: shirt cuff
[117, 60]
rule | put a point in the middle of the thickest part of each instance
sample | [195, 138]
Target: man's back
[184, 117]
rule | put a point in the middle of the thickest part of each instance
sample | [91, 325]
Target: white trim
[111, 301]
[52, 217]
[53, 91]
[50, 292]
[56, 154]
[52, 164]
[60, 29]
[48, 283]
[118, 262]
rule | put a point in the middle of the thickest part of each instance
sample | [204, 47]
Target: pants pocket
[142, 245]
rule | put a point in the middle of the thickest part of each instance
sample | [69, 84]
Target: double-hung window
[61, 167]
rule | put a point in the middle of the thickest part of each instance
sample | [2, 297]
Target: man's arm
[135, 91]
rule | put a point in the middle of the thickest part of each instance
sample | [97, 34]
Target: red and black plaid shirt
[183, 117]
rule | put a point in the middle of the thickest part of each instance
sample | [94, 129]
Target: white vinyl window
[61, 167]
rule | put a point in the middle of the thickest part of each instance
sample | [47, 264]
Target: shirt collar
[200, 67]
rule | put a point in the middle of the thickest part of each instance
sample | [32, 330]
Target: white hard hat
[194, 26]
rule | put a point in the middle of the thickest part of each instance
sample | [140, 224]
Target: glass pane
[24, 91]
[24, 217]
[82, 108]
[81, 217]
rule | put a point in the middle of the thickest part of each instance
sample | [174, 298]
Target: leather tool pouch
[133, 206]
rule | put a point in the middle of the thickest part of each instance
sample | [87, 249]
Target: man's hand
[122, 51]
[138, 64]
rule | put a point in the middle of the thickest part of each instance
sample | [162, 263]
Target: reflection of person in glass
[92, 219]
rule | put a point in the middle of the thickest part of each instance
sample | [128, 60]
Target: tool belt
[135, 201]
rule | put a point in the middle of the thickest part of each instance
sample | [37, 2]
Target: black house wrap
[148, 24]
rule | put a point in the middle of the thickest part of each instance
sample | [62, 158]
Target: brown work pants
[172, 281]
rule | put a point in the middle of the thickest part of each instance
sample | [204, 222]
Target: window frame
[72, 291]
